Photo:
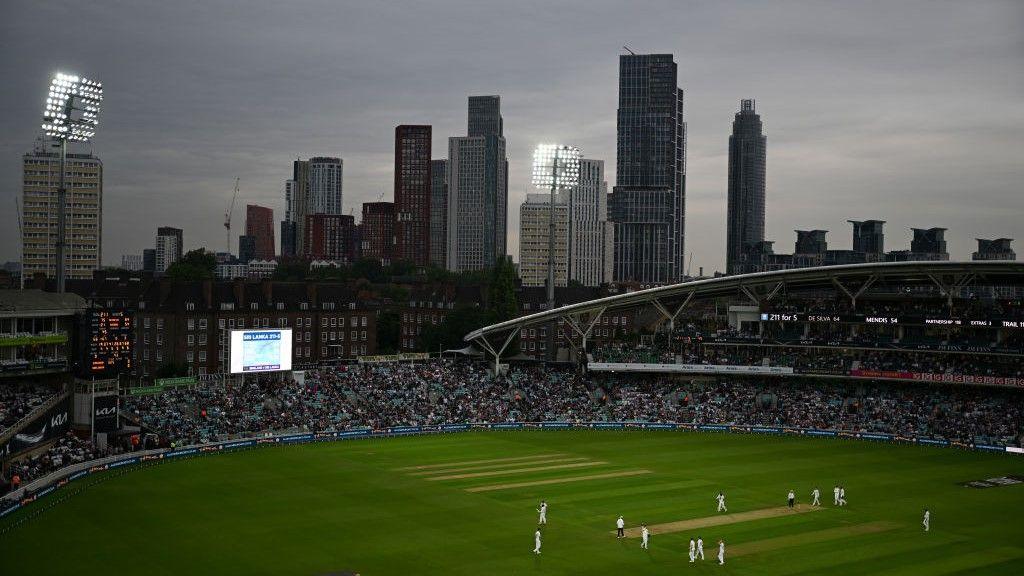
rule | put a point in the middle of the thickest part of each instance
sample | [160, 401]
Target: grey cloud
[909, 112]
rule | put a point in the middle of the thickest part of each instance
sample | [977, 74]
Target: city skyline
[843, 145]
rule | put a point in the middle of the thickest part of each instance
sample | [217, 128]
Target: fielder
[835, 496]
[700, 548]
[791, 498]
[721, 552]
[536, 541]
[721, 502]
[842, 496]
[927, 520]
[693, 550]
[644, 534]
[816, 497]
[620, 528]
[543, 510]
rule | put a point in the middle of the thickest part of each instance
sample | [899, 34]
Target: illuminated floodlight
[72, 108]
[556, 166]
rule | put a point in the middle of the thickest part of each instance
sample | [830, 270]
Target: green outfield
[465, 504]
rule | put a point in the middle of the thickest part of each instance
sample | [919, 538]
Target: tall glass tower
[648, 202]
[745, 218]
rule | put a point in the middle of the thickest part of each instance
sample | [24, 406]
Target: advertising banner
[687, 368]
[104, 413]
[52, 423]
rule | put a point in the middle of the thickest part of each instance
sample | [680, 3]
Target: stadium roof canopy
[853, 280]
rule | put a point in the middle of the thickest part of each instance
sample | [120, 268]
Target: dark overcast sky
[910, 112]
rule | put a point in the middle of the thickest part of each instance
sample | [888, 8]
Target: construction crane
[227, 217]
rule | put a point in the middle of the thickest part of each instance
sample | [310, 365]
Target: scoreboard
[109, 342]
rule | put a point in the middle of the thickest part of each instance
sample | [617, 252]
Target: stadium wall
[47, 485]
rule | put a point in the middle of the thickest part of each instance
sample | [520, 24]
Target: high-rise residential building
[259, 223]
[331, 237]
[648, 203]
[149, 260]
[478, 189]
[438, 212]
[590, 233]
[325, 176]
[179, 236]
[315, 188]
[998, 249]
[868, 236]
[378, 231]
[746, 196]
[412, 194]
[246, 248]
[289, 228]
[83, 238]
[131, 262]
[167, 251]
[534, 234]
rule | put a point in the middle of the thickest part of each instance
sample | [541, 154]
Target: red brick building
[331, 237]
[412, 194]
[188, 324]
[378, 231]
[259, 223]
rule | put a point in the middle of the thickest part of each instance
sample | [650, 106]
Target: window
[202, 323]
[220, 323]
[191, 324]
[191, 340]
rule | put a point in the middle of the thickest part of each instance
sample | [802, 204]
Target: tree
[291, 270]
[502, 291]
[448, 334]
[197, 264]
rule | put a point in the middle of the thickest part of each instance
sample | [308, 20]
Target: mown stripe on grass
[495, 466]
[817, 536]
[471, 462]
[968, 560]
[722, 519]
[514, 471]
[629, 490]
[562, 480]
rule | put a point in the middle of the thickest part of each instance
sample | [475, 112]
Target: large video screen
[261, 351]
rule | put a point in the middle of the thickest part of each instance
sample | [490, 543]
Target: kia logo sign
[59, 420]
[112, 411]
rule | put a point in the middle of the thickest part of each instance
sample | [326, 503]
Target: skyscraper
[259, 223]
[438, 212]
[747, 154]
[534, 218]
[378, 231]
[648, 204]
[590, 233]
[331, 237]
[289, 227]
[179, 244]
[478, 189]
[324, 188]
[84, 210]
[315, 188]
[412, 194]
[167, 248]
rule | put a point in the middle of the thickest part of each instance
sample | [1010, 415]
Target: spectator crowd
[437, 392]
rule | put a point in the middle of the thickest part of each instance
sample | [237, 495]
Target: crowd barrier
[58, 479]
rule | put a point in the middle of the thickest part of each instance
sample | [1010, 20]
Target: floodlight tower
[71, 114]
[556, 166]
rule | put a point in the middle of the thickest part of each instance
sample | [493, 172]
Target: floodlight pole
[551, 233]
[61, 273]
